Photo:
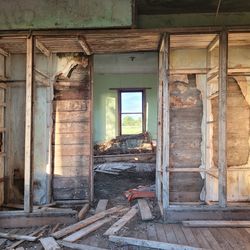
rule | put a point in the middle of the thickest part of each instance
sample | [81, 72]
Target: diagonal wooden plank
[170, 233]
[151, 232]
[121, 222]
[160, 232]
[84, 223]
[220, 238]
[181, 239]
[210, 238]
[200, 238]
[87, 230]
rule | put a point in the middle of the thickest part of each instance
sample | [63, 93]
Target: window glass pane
[131, 102]
[131, 124]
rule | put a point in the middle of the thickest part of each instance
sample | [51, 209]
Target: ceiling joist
[84, 46]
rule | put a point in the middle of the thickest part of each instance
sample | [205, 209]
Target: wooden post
[222, 140]
[165, 124]
[28, 127]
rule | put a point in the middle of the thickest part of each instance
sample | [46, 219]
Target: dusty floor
[112, 187]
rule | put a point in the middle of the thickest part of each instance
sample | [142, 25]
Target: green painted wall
[193, 20]
[58, 14]
[105, 102]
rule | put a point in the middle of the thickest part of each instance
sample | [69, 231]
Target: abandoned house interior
[125, 124]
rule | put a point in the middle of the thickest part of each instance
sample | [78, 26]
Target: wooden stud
[49, 243]
[101, 206]
[4, 52]
[222, 140]
[165, 125]
[84, 45]
[42, 48]
[28, 127]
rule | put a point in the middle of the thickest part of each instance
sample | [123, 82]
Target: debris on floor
[140, 192]
[126, 144]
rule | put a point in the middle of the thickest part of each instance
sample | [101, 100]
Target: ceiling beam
[84, 46]
[4, 52]
[42, 48]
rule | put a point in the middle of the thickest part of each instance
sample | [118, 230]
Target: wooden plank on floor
[145, 210]
[151, 232]
[210, 238]
[87, 230]
[190, 237]
[123, 221]
[215, 223]
[101, 206]
[181, 239]
[49, 243]
[83, 211]
[84, 223]
[170, 233]
[200, 238]
[220, 238]
[148, 243]
[160, 232]
[17, 237]
[78, 246]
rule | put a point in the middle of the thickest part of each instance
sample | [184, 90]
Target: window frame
[120, 91]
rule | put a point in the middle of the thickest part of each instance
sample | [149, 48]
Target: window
[131, 112]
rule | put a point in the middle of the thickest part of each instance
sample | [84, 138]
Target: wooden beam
[144, 210]
[83, 211]
[49, 243]
[4, 52]
[42, 48]
[76, 246]
[84, 45]
[148, 243]
[101, 206]
[28, 206]
[222, 138]
[17, 237]
[84, 223]
[123, 221]
[216, 223]
[213, 44]
[187, 71]
[87, 230]
[165, 125]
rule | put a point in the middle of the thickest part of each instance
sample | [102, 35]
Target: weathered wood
[4, 52]
[36, 232]
[84, 223]
[42, 48]
[123, 221]
[215, 223]
[70, 105]
[49, 243]
[83, 211]
[222, 139]
[165, 124]
[87, 230]
[68, 150]
[148, 243]
[78, 246]
[71, 127]
[145, 209]
[84, 45]
[101, 206]
[28, 126]
[17, 237]
[213, 44]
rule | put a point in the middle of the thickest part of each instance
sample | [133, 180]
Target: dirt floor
[112, 187]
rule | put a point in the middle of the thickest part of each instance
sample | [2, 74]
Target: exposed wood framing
[213, 44]
[28, 127]
[4, 52]
[165, 124]
[84, 46]
[222, 140]
[42, 48]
